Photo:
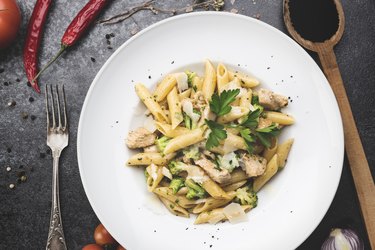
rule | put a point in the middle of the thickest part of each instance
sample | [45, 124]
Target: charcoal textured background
[25, 210]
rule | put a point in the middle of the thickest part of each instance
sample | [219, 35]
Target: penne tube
[214, 189]
[216, 215]
[184, 140]
[196, 85]
[166, 129]
[155, 176]
[209, 82]
[148, 158]
[271, 170]
[180, 200]
[280, 118]
[235, 113]
[175, 109]
[283, 152]
[150, 103]
[164, 87]
[245, 100]
[222, 77]
[234, 186]
[185, 94]
[236, 176]
[212, 203]
[268, 153]
[246, 80]
[235, 141]
[174, 208]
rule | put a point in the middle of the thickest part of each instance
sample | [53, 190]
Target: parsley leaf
[249, 139]
[219, 104]
[265, 134]
[217, 133]
[252, 119]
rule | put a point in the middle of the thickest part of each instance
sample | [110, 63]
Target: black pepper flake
[9, 150]
[20, 166]
[268, 67]
[212, 236]
[329, 166]
[186, 228]
[172, 62]
[210, 246]
[6, 84]
[154, 231]
[112, 34]
[116, 121]
[204, 242]
[31, 99]
[32, 117]
[291, 76]
[238, 65]
[18, 80]
[92, 59]
[109, 42]
[109, 47]
[107, 36]
[291, 100]
[149, 77]
[48, 151]
[28, 84]
[24, 115]
[1, 70]
[42, 155]
[291, 211]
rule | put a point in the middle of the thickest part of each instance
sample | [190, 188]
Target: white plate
[290, 206]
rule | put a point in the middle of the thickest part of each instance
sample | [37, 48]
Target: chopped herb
[219, 104]
[217, 134]
[265, 134]
[107, 36]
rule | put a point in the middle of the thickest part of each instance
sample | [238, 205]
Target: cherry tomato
[10, 20]
[102, 236]
[119, 247]
[92, 247]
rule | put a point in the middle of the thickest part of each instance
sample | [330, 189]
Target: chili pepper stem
[62, 49]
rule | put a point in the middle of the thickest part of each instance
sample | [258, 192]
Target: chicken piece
[151, 149]
[199, 102]
[140, 138]
[219, 175]
[264, 123]
[271, 100]
[253, 165]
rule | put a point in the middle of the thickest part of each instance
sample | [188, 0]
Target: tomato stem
[62, 49]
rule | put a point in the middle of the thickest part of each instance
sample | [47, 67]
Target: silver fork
[57, 140]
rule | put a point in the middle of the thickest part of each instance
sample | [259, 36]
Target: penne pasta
[245, 100]
[278, 117]
[174, 208]
[209, 82]
[180, 200]
[148, 158]
[164, 87]
[283, 152]
[235, 113]
[222, 77]
[214, 189]
[236, 176]
[268, 153]
[212, 203]
[216, 215]
[155, 175]
[166, 129]
[234, 186]
[185, 94]
[246, 80]
[150, 103]
[271, 170]
[235, 141]
[184, 140]
[175, 110]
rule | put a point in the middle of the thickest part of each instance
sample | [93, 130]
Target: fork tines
[52, 95]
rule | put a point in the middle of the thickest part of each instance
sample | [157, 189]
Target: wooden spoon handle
[363, 181]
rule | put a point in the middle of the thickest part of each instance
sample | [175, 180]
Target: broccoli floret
[194, 190]
[146, 174]
[176, 184]
[228, 161]
[192, 152]
[187, 120]
[162, 142]
[175, 167]
[246, 196]
[190, 76]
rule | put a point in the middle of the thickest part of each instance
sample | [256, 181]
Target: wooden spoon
[357, 160]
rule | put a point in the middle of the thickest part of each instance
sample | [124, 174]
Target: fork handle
[56, 238]
[360, 169]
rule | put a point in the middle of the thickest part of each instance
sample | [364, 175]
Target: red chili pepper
[78, 26]
[33, 39]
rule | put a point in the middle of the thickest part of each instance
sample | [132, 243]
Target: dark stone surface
[25, 210]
